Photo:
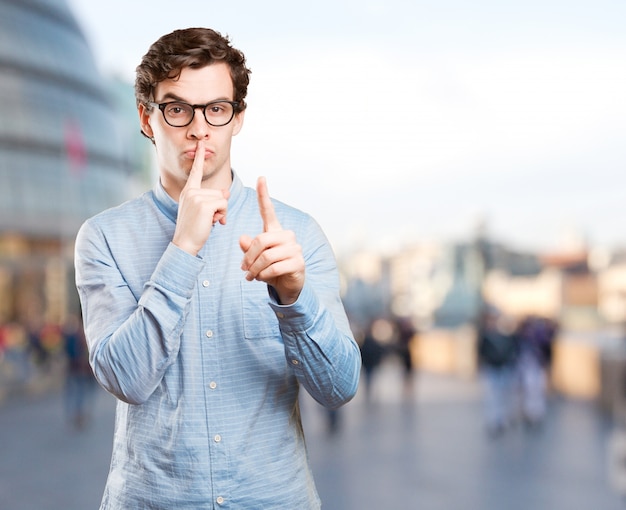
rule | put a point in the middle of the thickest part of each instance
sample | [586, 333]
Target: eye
[217, 108]
[177, 109]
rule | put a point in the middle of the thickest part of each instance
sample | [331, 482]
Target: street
[428, 452]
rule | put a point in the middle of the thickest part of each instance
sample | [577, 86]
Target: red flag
[75, 149]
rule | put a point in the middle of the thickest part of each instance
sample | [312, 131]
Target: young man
[207, 306]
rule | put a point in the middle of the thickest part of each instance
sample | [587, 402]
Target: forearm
[131, 361]
[320, 348]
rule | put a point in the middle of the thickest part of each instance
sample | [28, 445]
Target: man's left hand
[274, 256]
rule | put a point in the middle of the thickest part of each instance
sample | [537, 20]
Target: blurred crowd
[384, 338]
[514, 358]
[37, 356]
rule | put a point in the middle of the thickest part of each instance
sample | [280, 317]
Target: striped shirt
[207, 365]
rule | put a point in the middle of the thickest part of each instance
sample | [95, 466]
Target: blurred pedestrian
[536, 336]
[17, 358]
[4, 340]
[372, 354]
[405, 339]
[79, 380]
[38, 353]
[498, 352]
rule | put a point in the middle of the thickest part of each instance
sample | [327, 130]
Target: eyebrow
[174, 97]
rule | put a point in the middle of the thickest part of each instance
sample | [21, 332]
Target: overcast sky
[398, 121]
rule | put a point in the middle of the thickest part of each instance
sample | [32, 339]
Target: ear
[238, 122]
[144, 120]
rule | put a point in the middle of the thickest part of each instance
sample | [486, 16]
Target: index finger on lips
[195, 174]
[266, 208]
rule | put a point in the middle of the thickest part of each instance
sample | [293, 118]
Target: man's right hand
[198, 208]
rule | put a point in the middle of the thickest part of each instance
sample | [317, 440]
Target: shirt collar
[169, 206]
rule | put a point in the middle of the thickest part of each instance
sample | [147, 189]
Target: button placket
[211, 375]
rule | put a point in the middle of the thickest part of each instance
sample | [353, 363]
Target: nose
[199, 127]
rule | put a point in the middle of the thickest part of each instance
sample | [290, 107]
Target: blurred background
[462, 157]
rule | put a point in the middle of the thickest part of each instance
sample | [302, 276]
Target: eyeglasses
[179, 114]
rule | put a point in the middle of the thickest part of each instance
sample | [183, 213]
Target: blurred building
[64, 155]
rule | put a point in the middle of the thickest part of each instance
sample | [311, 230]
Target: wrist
[186, 246]
[284, 298]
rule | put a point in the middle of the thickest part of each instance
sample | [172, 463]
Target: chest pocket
[259, 320]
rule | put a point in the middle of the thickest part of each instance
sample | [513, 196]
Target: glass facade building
[64, 156]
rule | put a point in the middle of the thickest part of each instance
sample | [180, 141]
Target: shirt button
[212, 385]
[217, 438]
[295, 362]
[280, 315]
[209, 334]
[205, 283]
[219, 500]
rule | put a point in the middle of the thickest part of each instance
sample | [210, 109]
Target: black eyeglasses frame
[194, 107]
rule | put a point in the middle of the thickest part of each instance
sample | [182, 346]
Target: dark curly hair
[190, 47]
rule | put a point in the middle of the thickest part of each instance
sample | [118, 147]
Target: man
[207, 305]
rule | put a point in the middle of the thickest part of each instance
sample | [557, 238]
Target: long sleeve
[133, 339]
[318, 342]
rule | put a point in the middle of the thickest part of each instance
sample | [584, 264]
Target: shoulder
[117, 220]
[122, 210]
[122, 213]
[290, 217]
[309, 233]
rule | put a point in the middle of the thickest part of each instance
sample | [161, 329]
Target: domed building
[63, 156]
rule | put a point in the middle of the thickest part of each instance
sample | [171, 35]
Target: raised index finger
[270, 221]
[197, 168]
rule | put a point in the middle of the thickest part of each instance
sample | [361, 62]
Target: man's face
[176, 146]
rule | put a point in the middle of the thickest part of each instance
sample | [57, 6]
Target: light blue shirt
[207, 365]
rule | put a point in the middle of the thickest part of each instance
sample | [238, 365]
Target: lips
[191, 153]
